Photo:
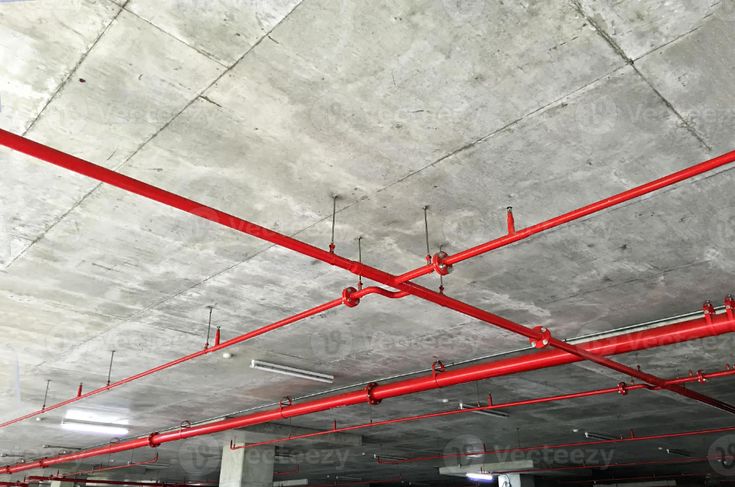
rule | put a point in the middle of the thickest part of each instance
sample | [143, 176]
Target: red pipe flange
[438, 264]
[151, 442]
[623, 389]
[709, 311]
[369, 391]
[543, 339]
[730, 306]
[347, 298]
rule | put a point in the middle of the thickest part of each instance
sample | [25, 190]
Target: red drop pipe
[355, 296]
[121, 181]
[679, 332]
[622, 388]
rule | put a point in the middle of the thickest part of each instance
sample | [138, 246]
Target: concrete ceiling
[265, 109]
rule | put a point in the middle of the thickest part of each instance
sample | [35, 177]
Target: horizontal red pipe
[121, 181]
[562, 397]
[150, 461]
[576, 444]
[688, 330]
[217, 347]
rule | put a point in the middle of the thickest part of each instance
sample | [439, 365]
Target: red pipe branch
[621, 388]
[440, 263]
[576, 444]
[353, 297]
[688, 330]
[150, 461]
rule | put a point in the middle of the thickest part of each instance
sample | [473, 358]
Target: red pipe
[688, 330]
[622, 388]
[441, 266]
[576, 444]
[217, 346]
[150, 461]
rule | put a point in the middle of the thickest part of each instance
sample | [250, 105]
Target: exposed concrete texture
[468, 107]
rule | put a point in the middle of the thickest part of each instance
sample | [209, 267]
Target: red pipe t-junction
[712, 325]
[441, 263]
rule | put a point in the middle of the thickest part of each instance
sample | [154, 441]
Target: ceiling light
[11, 455]
[486, 412]
[226, 355]
[393, 458]
[293, 372]
[600, 436]
[479, 476]
[60, 447]
[675, 451]
[91, 427]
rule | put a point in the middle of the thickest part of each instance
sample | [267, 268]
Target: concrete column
[515, 480]
[251, 467]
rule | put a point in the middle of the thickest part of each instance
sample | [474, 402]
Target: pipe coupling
[347, 298]
[437, 262]
[544, 336]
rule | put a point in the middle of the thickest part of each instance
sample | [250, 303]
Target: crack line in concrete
[619, 50]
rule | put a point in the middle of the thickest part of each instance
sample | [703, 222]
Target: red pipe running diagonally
[354, 297]
[694, 329]
[439, 264]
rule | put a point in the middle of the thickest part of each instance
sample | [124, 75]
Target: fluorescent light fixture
[676, 451]
[97, 428]
[11, 455]
[61, 447]
[293, 372]
[600, 436]
[486, 412]
[394, 458]
[479, 476]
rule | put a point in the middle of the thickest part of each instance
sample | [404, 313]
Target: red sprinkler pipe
[354, 297]
[126, 183]
[576, 444]
[440, 263]
[689, 330]
[150, 461]
[621, 388]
